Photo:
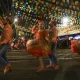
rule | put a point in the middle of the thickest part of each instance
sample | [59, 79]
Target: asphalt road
[24, 66]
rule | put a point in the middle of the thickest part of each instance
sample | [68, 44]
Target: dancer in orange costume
[39, 47]
[6, 39]
[52, 39]
[75, 46]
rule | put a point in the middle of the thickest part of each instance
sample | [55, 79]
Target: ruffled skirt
[37, 49]
[75, 46]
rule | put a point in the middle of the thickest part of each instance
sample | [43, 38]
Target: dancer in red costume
[39, 47]
[75, 46]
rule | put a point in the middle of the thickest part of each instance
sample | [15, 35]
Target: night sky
[5, 6]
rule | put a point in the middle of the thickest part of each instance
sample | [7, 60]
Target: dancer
[75, 46]
[38, 47]
[6, 39]
[52, 39]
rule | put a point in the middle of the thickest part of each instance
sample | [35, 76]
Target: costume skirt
[75, 46]
[37, 49]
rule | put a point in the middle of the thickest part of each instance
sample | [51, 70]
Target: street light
[15, 20]
[65, 21]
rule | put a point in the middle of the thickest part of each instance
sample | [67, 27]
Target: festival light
[65, 21]
[15, 20]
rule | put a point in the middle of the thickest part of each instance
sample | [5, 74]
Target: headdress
[53, 22]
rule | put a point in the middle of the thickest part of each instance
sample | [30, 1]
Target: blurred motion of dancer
[38, 46]
[75, 46]
[6, 39]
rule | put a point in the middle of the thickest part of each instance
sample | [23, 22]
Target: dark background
[5, 6]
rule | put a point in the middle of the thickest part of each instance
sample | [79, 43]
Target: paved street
[24, 67]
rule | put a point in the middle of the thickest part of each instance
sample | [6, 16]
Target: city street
[24, 66]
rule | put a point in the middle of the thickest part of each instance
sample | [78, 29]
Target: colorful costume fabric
[38, 46]
[7, 36]
[75, 46]
[6, 39]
